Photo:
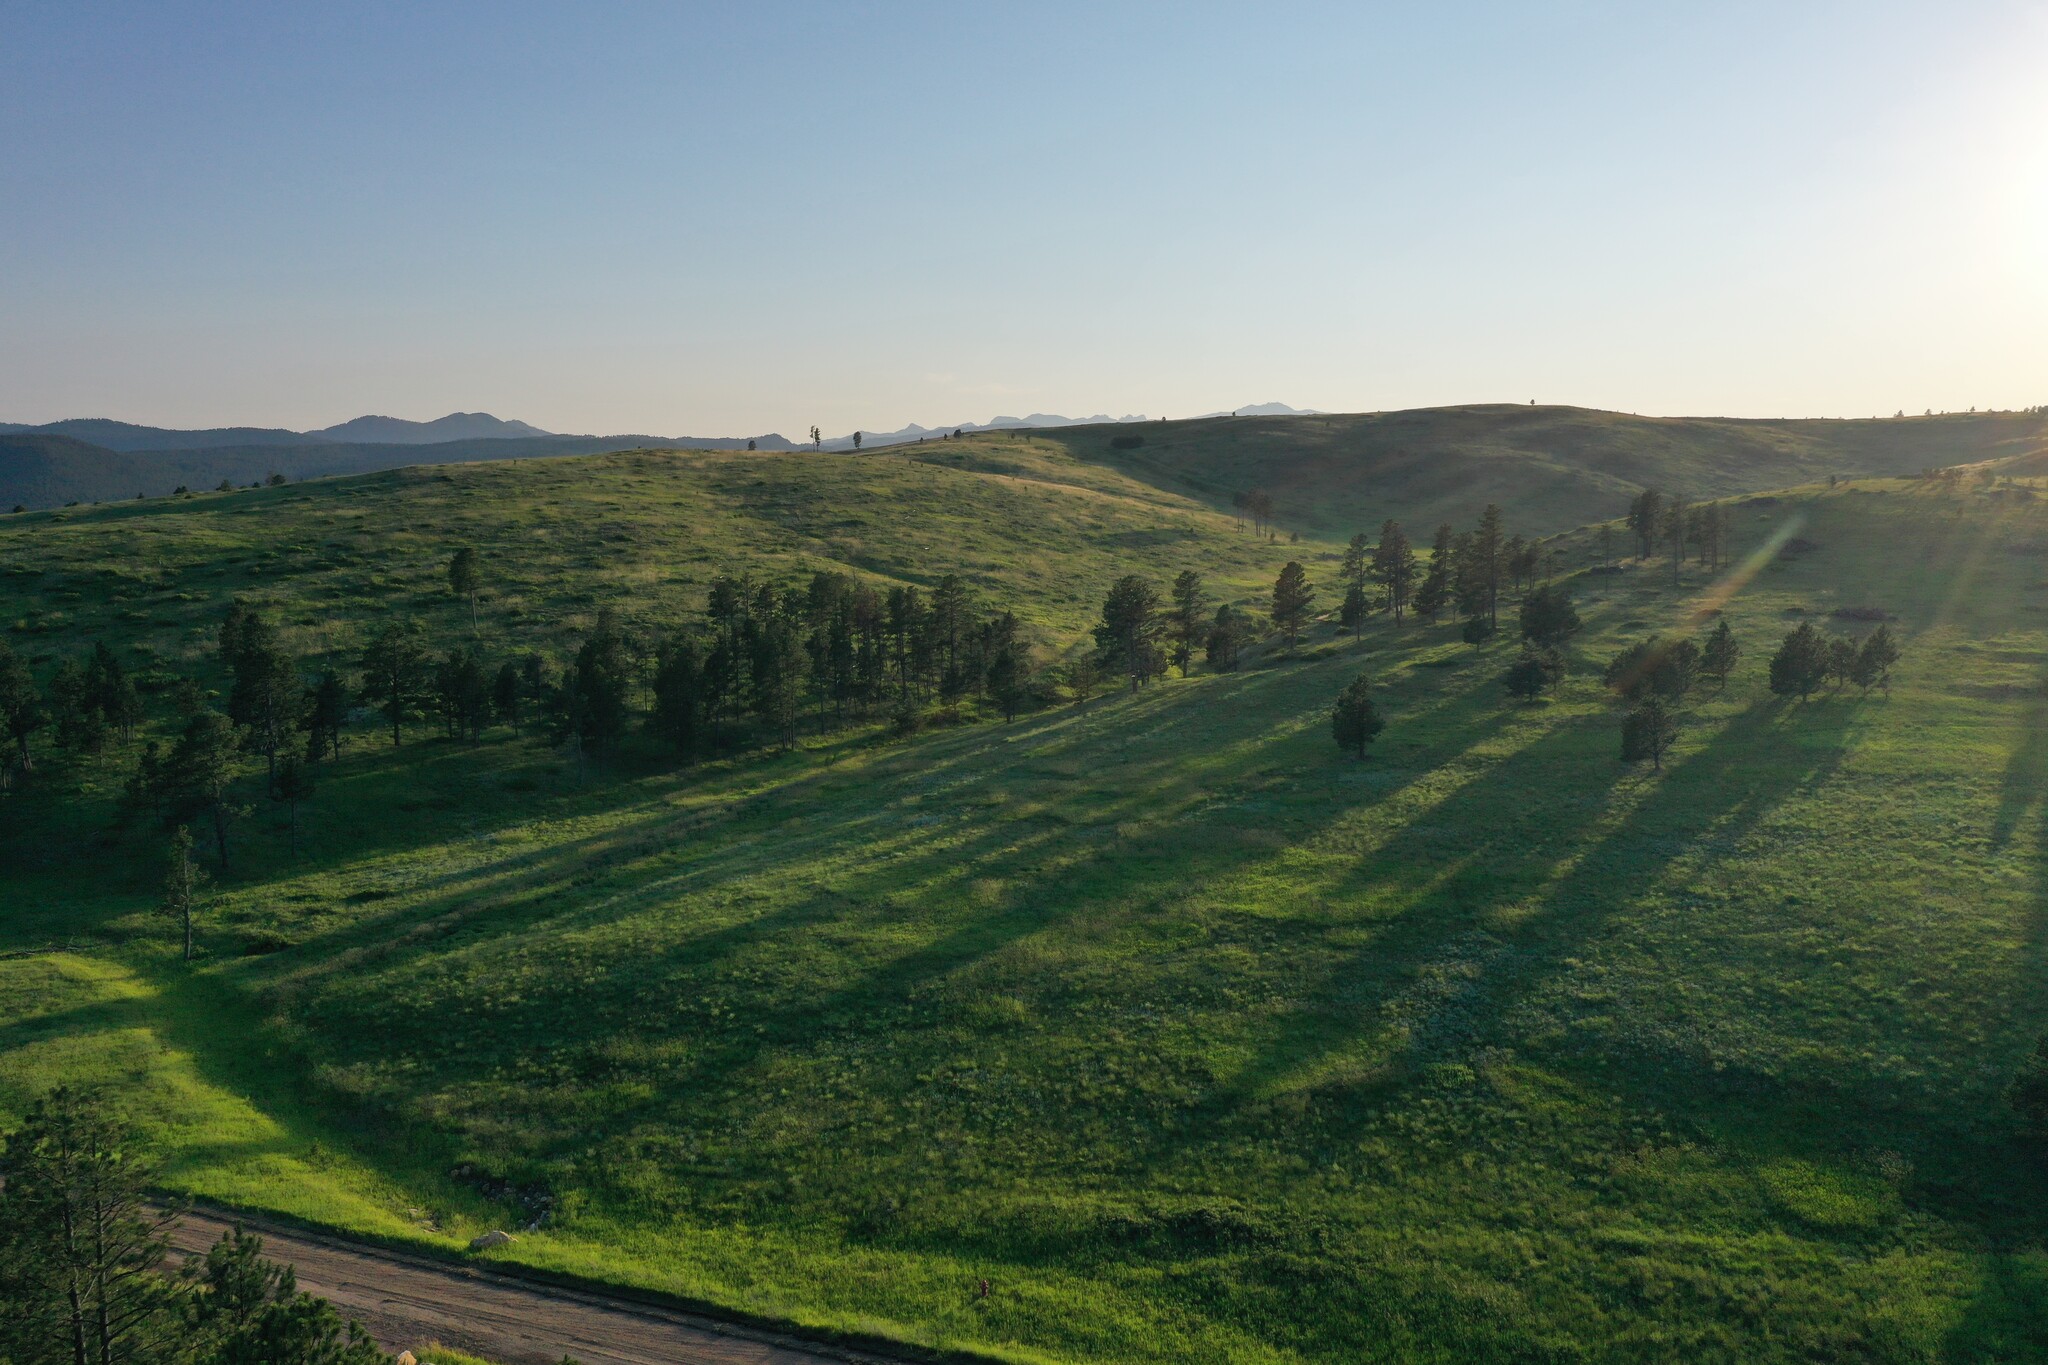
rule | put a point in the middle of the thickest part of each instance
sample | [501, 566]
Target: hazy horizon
[725, 225]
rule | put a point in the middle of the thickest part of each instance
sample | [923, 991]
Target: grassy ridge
[644, 531]
[1554, 467]
[1196, 1040]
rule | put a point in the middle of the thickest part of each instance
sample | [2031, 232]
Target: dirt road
[406, 1302]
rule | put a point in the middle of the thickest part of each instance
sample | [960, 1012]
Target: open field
[1193, 1038]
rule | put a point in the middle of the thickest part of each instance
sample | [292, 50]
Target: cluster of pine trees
[761, 663]
[1140, 635]
[1808, 660]
[82, 1264]
[1672, 520]
[1468, 574]
[1654, 676]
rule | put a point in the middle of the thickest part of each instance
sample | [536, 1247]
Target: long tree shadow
[1351, 1056]
[1066, 868]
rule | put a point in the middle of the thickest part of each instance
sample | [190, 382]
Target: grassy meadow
[1556, 467]
[1195, 1038]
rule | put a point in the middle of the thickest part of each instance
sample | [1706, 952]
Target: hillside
[1330, 474]
[127, 436]
[37, 474]
[38, 470]
[1554, 468]
[643, 530]
[1193, 1037]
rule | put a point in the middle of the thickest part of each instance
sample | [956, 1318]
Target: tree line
[762, 663]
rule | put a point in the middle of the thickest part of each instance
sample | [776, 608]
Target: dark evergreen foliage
[1354, 719]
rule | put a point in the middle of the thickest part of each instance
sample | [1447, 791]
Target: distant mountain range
[456, 426]
[97, 459]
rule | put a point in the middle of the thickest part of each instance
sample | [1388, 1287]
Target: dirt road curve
[406, 1302]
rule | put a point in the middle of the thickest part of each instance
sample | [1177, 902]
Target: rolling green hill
[1552, 467]
[1195, 1038]
[40, 471]
[645, 531]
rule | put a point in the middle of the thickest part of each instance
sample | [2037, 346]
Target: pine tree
[1800, 665]
[249, 1311]
[1435, 593]
[80, 727]
[1351, 616]
[1187, 622]
[1874, 661]
[1226, 639]
[1840, 663]
[1548, 617]
[326, 712]
[1535, 671]
[199, 772]
[1648, 731]
[1126, 635]
[591, 706]
[184, 886]
[506, 696]
[1292, 597]
[21, 708]
[462, 691]
[81, 1246]
[1488, 546]
[1393, 564]
[1646, 520]
[1718, 660]
[951, 618]
[1009, 670]
[268, 699]
[292, 783]
[1354, 719]
[679, 693]
[1357, 560]
[110, 692]
[396, 674]
[1654, 668]
[1676, 523]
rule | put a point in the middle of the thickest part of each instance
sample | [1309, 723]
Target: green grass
[1195, 1039]
[1553, 468]
[643, 531]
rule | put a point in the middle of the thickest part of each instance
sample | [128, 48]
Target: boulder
[490, 1240]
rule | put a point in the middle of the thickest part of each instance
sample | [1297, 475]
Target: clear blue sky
[728, 219]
